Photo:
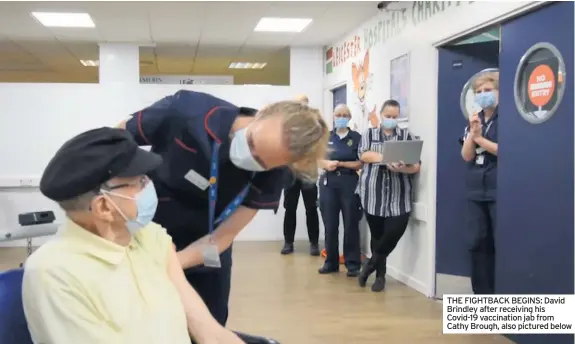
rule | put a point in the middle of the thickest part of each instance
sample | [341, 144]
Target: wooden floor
[284, 297]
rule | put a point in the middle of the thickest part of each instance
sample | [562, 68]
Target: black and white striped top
[382, 192]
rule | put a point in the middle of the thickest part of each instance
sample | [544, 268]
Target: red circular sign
[541, 85]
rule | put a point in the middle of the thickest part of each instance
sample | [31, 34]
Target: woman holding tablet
[385, 192]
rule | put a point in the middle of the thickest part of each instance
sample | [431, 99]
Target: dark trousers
[481, 220]
[338, 196]
[385, 234]
[291, 200]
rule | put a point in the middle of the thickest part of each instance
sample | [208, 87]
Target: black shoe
[314, 250]
[366, 271]
[353, 273]
[287, 249]
[328, 269]
[378, 285]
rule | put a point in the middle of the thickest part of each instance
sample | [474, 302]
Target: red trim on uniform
[206, 119]
[181, 144]
[141, 129]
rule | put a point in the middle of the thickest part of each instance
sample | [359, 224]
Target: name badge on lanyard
[211, 253]
[480, 157]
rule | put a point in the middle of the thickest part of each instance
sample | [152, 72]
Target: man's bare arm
[201, 324]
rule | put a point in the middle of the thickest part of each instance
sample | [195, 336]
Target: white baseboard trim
[409, 281]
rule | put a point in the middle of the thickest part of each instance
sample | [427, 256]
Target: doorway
[535, 173]
[459, 62]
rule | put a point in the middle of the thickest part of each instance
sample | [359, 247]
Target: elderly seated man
[110, 275]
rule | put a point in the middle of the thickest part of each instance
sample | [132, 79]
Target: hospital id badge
[212, 257]
[479, 160]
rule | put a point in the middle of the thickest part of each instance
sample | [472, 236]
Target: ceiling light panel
[247, 65]
[90, 63]
[269, 24]
[70, 20]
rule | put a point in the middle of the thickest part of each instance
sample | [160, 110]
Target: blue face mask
[240, 153]
[485, 100]
[389, 123]
[146, 202]
[341, 122]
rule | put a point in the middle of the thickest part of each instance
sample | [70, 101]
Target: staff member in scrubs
[308, 191]
[479, 152]
[385, 192]
[337, 195]
[222, 164]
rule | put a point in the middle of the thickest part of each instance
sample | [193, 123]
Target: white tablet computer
[407, 151]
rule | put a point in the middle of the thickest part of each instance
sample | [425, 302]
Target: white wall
[37, 118]
[413, 32]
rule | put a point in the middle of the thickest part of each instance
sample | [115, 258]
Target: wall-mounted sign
[539, 83]
[467, 99]
[188, 79]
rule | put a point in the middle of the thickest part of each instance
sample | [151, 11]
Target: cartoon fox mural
[360, 76]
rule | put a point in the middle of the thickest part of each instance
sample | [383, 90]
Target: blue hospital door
[534, 236]
[452, 257]
[339, 95]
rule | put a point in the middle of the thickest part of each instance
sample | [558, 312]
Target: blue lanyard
[213, 192]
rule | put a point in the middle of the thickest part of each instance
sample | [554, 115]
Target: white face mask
[240, 153]
[146, 202]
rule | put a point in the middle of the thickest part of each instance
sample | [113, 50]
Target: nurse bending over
[222, 163]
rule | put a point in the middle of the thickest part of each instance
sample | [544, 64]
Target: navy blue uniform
[481, 181]
[182, 129]
[337, 195]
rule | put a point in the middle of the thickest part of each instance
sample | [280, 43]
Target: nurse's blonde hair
[305, 133]
[483, 78]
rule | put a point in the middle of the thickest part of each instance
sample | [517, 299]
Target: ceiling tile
[298, 9]
[172, 50]
[207, 50]
[84, 51]
[174, 65]
[175, 30]
[207, 66]
[272, 39]
[75, 34]
[123, 28]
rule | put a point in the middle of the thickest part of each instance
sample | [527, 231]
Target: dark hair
[390, 102]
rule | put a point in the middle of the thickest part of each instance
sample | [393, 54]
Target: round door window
[467, 100]
[539, 83]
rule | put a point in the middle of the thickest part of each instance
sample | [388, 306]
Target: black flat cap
[92, 158]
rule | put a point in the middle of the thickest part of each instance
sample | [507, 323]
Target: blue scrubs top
[482, 178]
[182, 128]
[344, 149]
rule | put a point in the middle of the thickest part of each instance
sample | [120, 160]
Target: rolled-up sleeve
[58, 313]
[148, 126]
[364, 143]
[266, 190]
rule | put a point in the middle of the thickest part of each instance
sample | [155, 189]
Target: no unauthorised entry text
[507, 314]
